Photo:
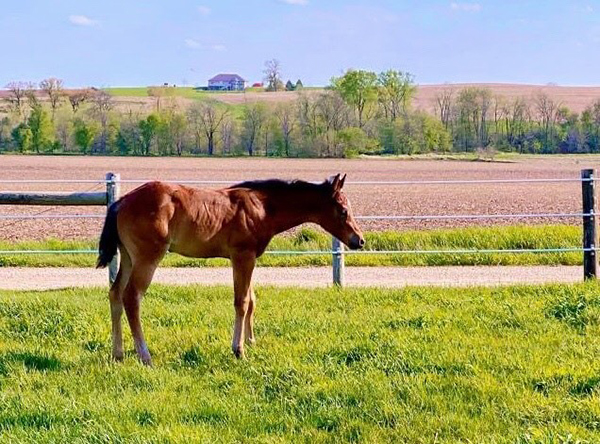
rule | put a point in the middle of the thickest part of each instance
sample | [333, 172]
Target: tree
[272, 73]
[16, 96]
[148, 129]
[334, 115]
[547, 111]
[77, 97]
[158, 92]
[84, 134]
[22, 137]
[289, 86]
[207, 118]
[102, 106]
[285, 116]
[41, 128]
[396, 90]
[444, 104]
[227, 134]
[359, 90]
[254, 118]
[298, 85]
[53, 87]
[177, 127]
[31, 94]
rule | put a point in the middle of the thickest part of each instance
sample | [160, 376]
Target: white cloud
[191, 43]
[204, 10]
[82, 20]
[296, 2]
[195, 44]
[467, 7]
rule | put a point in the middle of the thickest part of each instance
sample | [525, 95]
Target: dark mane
[279, 185]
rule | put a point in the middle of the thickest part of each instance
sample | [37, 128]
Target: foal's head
[337, 218]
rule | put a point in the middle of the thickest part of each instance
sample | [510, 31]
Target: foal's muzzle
[356, 242]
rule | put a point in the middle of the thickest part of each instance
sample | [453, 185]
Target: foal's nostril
[361, 242]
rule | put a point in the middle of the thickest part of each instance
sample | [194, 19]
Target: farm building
[226, 82]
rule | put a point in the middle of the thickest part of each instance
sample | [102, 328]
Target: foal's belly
[199, 250]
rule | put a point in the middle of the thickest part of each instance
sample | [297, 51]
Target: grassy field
[503, 365]
[187, 92]
[502, 237]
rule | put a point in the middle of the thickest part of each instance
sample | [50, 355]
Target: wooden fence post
[113, 191]
[338, 262]
[590, 224]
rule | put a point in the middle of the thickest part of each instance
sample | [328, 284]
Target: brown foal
[236, 223]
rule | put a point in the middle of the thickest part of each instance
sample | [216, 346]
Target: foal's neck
[290, 208]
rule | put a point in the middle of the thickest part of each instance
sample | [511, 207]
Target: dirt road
[51, 278]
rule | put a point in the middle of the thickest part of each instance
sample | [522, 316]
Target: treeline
[361, 112]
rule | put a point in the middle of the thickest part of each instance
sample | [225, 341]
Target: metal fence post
[590, 224]
[338, 262]
[113, 191]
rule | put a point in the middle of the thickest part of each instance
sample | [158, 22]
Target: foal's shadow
[29, 360]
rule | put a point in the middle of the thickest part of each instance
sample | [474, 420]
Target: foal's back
[160, 216]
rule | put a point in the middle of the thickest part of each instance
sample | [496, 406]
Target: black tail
[109, 239]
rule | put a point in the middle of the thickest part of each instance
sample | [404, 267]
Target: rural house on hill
[226, 82]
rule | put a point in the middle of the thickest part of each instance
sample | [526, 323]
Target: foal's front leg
[243, 266]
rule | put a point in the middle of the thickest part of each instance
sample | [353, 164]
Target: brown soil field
[576, 98]
[380, 199]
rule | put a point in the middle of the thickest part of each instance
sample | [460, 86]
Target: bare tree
[16, 96]
[227, 134]
[77, 97]
[207, 118]
[158, 92]
[53, 87]
[272, 73]
[547, 112]
[254, 118]
[32, 95]
[103, 104]
[335, 115]
[285, 116]
[444, 105]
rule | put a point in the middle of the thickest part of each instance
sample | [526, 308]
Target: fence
[112, 192]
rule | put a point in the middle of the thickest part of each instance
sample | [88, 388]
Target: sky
[112, 43]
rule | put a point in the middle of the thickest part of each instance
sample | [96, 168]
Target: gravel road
[51, 278]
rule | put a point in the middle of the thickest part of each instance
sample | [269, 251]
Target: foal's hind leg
[116, 304]
[141, 276]
[250, 318]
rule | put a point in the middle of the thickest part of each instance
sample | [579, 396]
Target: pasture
[502, 365]
[308, 239]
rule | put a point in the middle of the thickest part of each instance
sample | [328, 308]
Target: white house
[226, 82]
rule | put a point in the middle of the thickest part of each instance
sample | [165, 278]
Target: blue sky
[127, 43]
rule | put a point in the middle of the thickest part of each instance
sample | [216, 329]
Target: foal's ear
[336, 182]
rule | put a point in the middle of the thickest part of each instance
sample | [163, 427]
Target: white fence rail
[112, 183]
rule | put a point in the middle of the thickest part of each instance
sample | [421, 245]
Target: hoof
[251, 341]
[147, 362]
[239, 353]
[117, 357]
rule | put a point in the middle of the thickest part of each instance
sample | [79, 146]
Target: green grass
[188, 92]
[416, 365]
[306, 239]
